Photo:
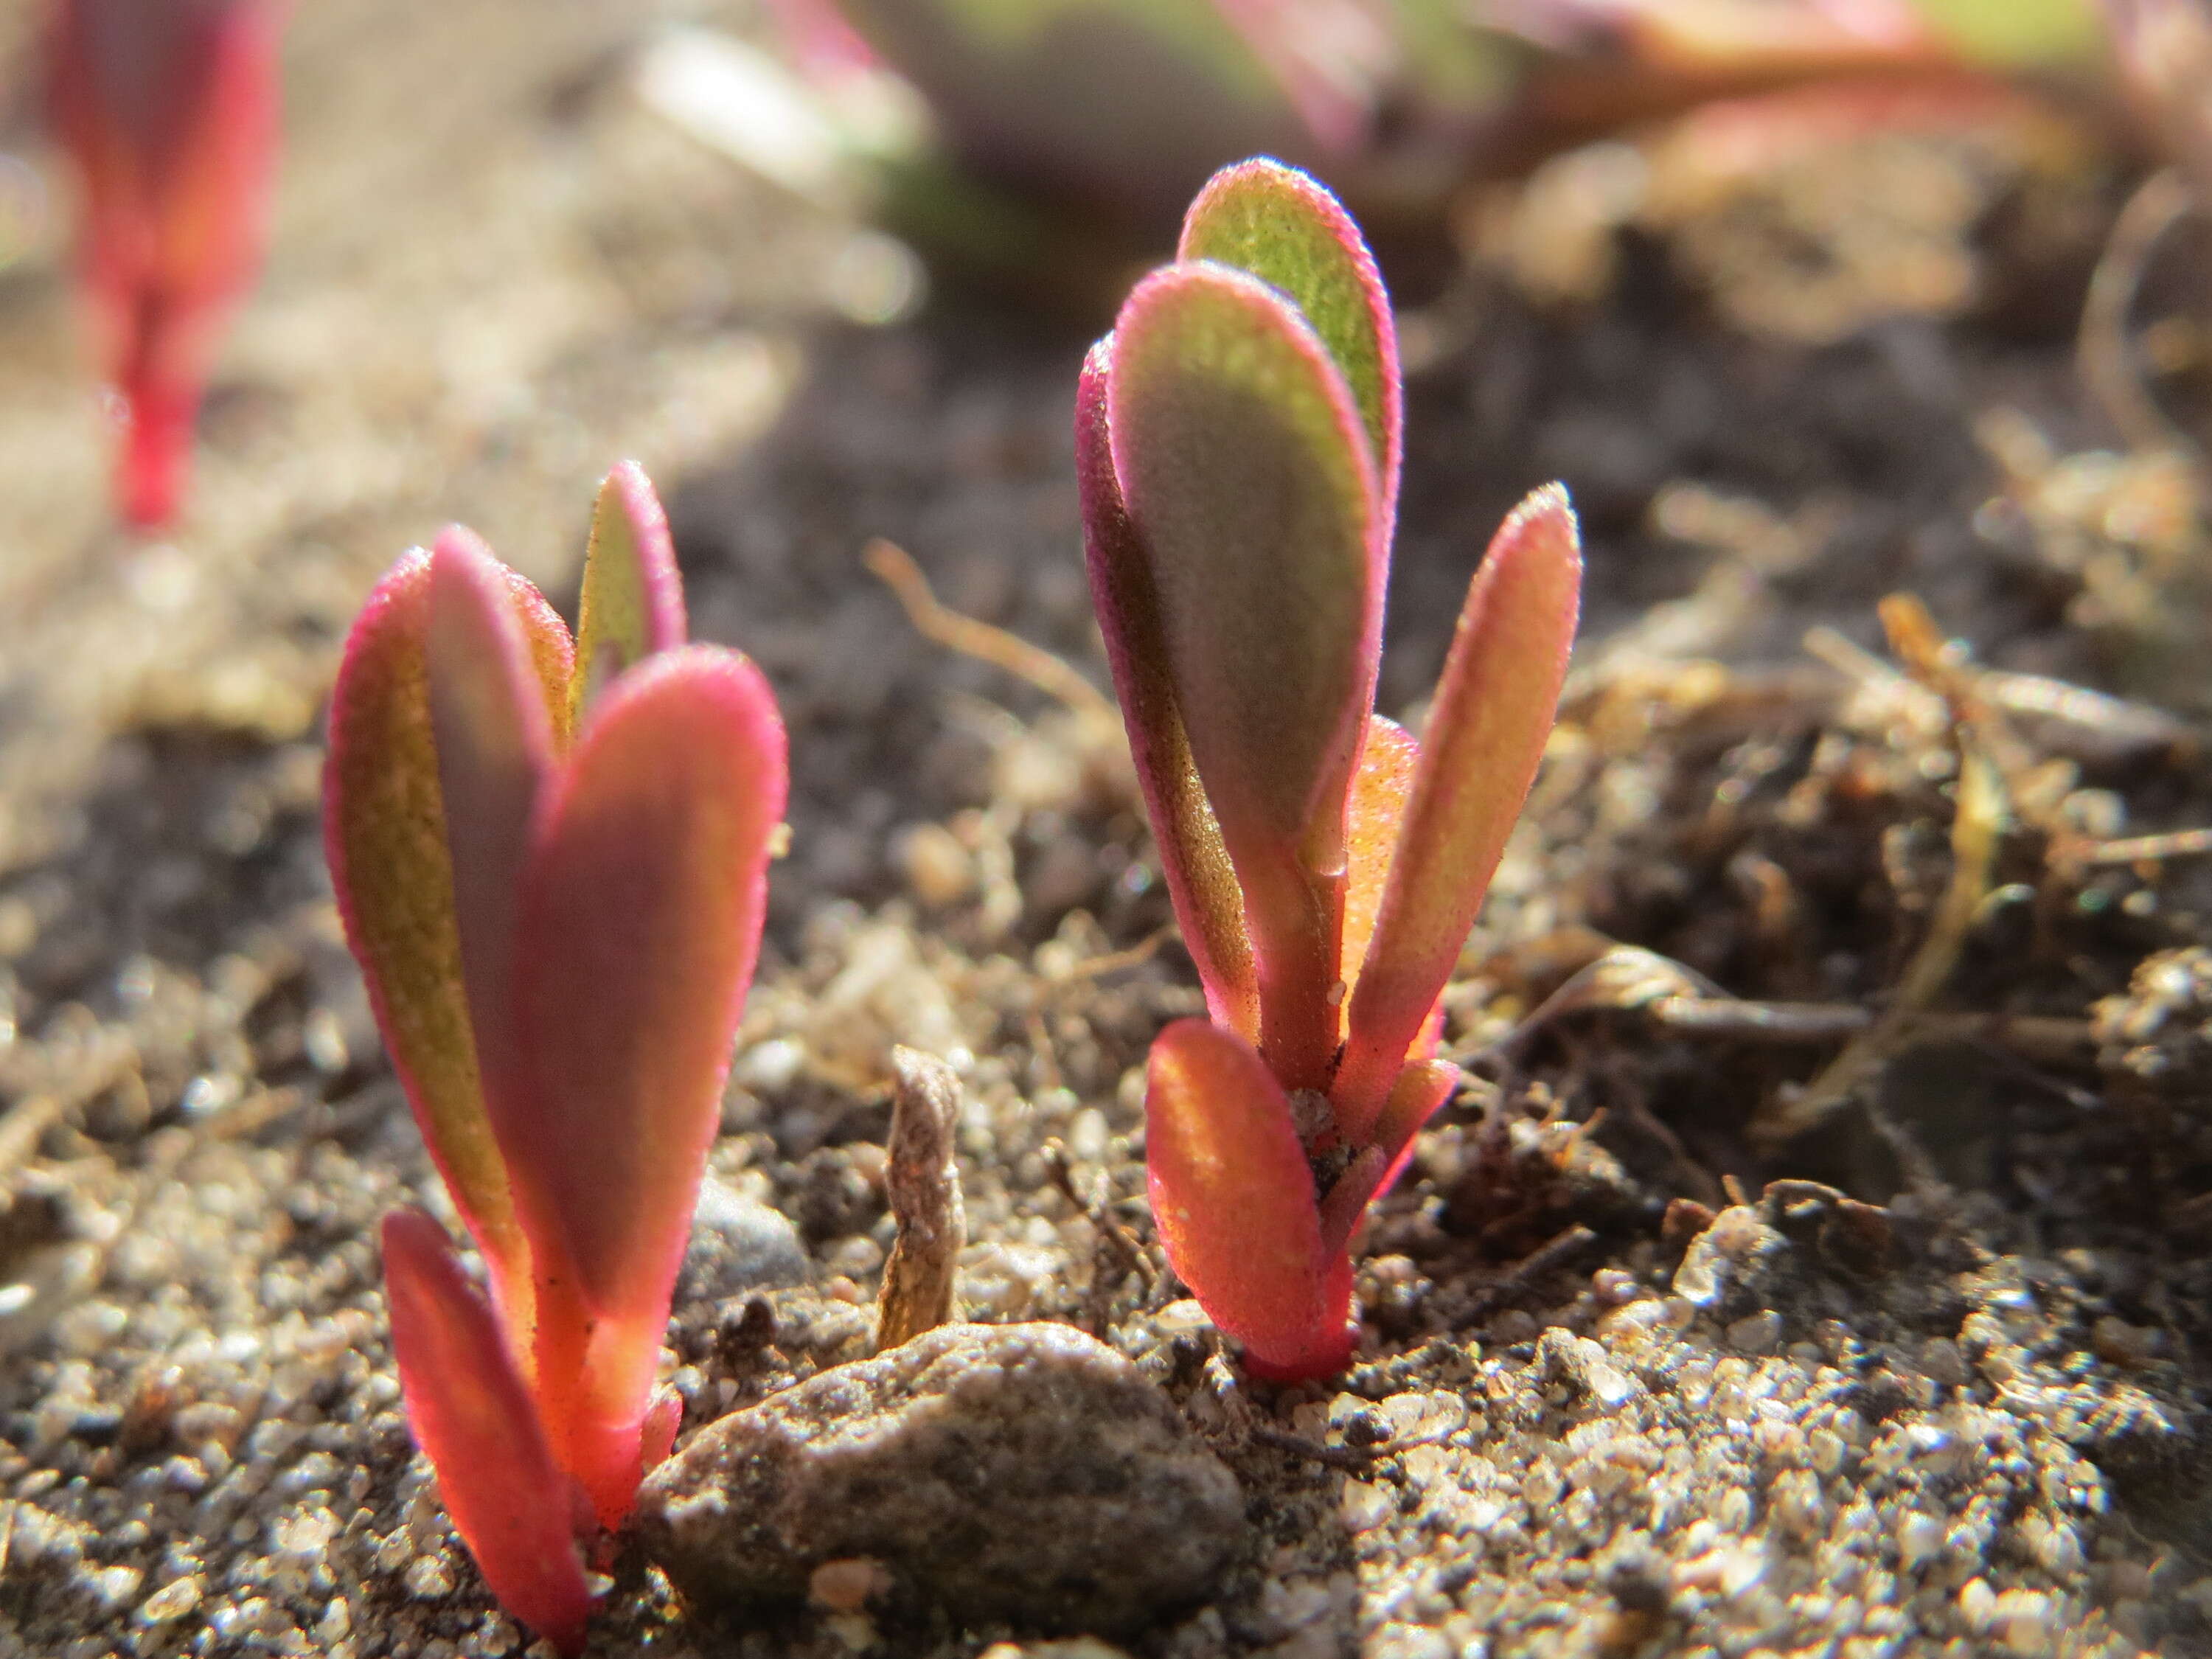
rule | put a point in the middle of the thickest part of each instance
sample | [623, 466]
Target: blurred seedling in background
[1122, 106]
[1238, 449]
[169, 109]
[551, 858]
[1064, 134]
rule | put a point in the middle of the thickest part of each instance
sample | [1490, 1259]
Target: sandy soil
[1955, 1405]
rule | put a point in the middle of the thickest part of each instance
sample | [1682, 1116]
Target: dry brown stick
[1356, 1460]
[935, 621]
[2149, 849]
[2120, 722]
[1629, 979]
[1979, 817]
[1760, 1022]
[1973, 852]
[1132, 1254]
[922, 1177]
[2037, 1036]
[1132, 956]
[1554, 1253]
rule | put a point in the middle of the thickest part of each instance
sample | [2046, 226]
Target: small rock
[172, 1600]
[1758, 1332]
[1024, 1473]
[737, 1245]
[1733, 1251]
[2130, 1346]
[2155, 1040]
[1581, 1364]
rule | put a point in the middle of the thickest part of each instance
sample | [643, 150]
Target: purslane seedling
[169, 110]
[551, 858]
[1238, 446]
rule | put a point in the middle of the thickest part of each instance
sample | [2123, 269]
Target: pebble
[171, 1601]
[738, 1246]
[1759, 1332]
[1364, 1504]
[1730, 1252]
[1023, 1473]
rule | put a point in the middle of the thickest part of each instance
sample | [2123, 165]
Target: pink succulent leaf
[384, 836]
[472, 1415]
[1251, 487]
[1283, 227]
[496, 749]
[641, 919]
[1201, 882]
[633, 596]
[1233, 1199]
[1379, 792]
[169, 109]
[1422, 1087]
[818, 37]
[1335, 1334]
[1487, 725]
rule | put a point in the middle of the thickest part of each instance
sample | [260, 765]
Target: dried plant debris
[921, 1177]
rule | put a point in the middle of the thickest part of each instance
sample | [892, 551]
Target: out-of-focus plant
[1127, 103]
[1238, 449]
[2164, 52]
[551, 859]
[2018, 34]
[1121, 106]
[1068, 134]
[1827, 35]
[169, 109]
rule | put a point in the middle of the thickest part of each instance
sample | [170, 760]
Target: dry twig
[1355, 1460]
[936, 621]
[1508, 1287]
[923, 1180]
[2149, 849]
[1979, 817]
[1630, 979]
[1127, 1249]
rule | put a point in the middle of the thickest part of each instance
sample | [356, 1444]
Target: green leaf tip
[632, 602]
[1283, 227]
